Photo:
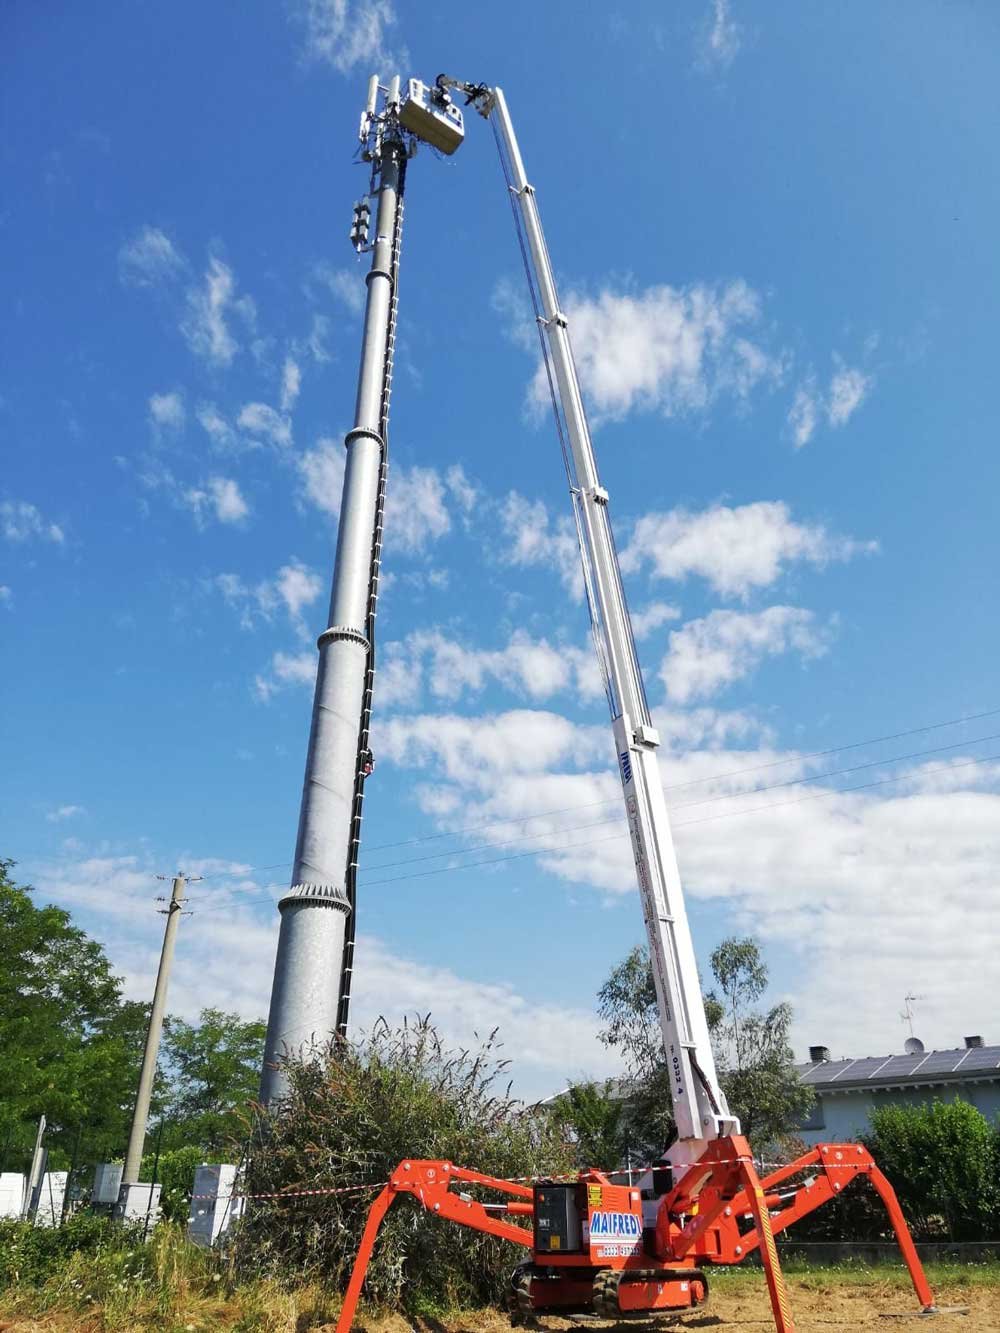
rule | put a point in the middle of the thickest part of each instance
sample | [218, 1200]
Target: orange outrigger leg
[428, 1181]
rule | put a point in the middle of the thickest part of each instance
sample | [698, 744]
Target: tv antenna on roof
[907, 1015]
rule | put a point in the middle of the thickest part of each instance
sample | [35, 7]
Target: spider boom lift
[621, 1251]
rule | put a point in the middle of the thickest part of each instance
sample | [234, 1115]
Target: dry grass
[823, 1302]
[169, 1286]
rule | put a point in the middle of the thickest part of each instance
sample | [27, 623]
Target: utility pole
[312, 970]
[34, 1181]
[137, 1134]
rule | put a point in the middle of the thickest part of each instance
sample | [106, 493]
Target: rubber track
[608, 1283]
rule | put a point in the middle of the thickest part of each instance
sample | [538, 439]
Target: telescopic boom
[699, 1106]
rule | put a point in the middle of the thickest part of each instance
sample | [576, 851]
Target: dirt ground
[819, 1305]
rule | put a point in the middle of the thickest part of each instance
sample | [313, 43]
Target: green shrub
[943, 1160]
[352, 1118]
[175, 1173]
[30, 1255]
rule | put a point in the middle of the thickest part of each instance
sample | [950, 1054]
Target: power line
[838, 772]
[240, 902]
[837, 749]
[486, 846]
[710, 800]
[839, 791]
[676, 786]
[246, 870]
[616, 837]
[726, 814]
[694, 782]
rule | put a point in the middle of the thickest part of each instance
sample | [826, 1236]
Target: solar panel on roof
[984, 1057]
[901, 1066]
[864, 1068]
[941, 1062]
[828, 1069]
[875, 1068]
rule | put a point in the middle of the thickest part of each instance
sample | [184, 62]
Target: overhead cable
[615, 837]
[681, 786]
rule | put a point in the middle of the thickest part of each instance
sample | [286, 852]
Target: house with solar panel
[847, 1091]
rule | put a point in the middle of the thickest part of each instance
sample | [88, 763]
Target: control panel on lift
[586, 1222]
[431, 115]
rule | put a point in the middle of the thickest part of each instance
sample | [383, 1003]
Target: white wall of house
[846, 1114]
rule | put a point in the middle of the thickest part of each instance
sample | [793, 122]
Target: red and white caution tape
[295, 1194]
[514, 1180]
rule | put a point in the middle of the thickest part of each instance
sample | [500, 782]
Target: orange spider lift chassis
[598, 1247]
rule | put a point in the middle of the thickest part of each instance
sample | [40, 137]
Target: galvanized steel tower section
[311, 986]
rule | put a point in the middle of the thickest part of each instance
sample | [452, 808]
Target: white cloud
[209, 307]
[219, 495]
[736, 549]
[215, 425]
[315, 344]
[811, 871]
[166, 411]
[546, 1042]
[291, 383]
[848, 389]
[347, 33]
[811, 879]
[398, 678]
[286, 669]
[149, 259]
[462, 490]
[415, 509]
[804, 412]
[62, 812]
[532, 778]
[298, 586]
[495, 745]
[531, 667]
[322, 471]
[665, 349]
[722, 40]
[510, 302]
[229, 965]
[708, 654]
[22, 521]
[6, 595]
[345, 285]
[651, 617]
[534, 540]
[293, 588]
[263, 421]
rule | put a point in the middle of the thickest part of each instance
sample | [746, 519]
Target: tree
[69, 1045]
[944, 1163]
[593, 1116]
[627, 1004]
[756, 1063]
[754, 1060]
[214, 1068]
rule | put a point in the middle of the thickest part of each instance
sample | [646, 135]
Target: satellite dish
[913, 1046]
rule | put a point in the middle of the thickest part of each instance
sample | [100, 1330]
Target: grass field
[183, 1300]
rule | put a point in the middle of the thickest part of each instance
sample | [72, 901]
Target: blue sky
[775, 231]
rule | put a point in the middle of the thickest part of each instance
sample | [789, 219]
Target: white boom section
[699, 1106]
